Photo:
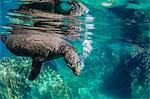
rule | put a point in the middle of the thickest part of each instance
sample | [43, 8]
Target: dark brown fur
[42, 47]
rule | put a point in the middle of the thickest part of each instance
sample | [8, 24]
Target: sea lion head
[76, 68]
[73, 60]
[71, 57]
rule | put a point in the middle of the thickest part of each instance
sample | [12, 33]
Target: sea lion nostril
[76, 71]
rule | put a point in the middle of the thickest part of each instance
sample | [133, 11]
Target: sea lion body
[42, 47]
[34, 45]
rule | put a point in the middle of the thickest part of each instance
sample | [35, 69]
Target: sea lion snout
[76, 71]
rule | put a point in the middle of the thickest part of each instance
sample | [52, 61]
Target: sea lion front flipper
[36, 67]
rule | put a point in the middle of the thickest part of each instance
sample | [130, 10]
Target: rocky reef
[14, 83]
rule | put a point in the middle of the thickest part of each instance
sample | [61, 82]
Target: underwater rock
[14, 82]
[130, 78]
[139, 70]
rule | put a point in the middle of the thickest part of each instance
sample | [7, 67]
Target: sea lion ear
[36, 67]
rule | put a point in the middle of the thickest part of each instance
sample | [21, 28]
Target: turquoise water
[112, 41]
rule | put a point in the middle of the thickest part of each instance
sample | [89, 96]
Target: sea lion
[42, 47]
